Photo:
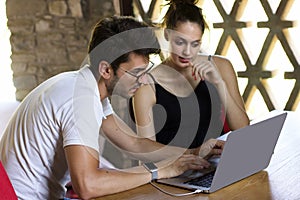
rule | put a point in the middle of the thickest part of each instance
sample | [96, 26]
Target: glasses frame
[140, 75]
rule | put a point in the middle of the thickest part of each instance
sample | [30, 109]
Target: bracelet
[151, 167]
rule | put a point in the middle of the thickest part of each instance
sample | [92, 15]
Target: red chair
[7, 191]
[71, 194]
[226, 128]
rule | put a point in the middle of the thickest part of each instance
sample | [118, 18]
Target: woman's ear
[166, 34]
[104, 69]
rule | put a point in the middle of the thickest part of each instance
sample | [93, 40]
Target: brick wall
[49, 37]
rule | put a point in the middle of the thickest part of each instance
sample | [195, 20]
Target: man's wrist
[152, 168]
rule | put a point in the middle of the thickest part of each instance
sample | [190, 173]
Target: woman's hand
[205, 68]
[174, 167]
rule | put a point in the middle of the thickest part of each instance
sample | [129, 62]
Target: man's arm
[148, 150]
[89, 181]
[141, 148]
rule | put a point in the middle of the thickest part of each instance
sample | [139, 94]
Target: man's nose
[143, 79]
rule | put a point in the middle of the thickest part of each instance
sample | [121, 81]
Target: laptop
[246, 152]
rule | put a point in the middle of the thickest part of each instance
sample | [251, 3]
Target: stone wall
[49, 37]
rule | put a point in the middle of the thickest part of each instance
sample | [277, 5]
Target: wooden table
[279, 181]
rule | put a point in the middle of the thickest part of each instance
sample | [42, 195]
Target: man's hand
[210, 148]
[176, 166]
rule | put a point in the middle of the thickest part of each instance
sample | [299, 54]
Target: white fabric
[64, 110]
[7, 108]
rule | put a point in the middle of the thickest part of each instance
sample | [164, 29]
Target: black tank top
[186, 121]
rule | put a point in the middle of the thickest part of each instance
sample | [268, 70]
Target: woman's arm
[236, 114]
[142, 103]
[219, 71]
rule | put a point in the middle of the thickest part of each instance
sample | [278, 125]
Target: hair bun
[176, 2]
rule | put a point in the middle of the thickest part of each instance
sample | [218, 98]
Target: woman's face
[184, 42]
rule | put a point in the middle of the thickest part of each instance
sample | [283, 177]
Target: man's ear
[166, 34]
[104, 69]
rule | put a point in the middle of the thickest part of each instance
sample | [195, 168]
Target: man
[53, 136]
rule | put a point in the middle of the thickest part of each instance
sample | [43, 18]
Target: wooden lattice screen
[256, 72]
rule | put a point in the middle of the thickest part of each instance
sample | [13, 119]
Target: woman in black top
[192, 94]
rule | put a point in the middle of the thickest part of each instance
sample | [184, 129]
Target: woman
[192, 94]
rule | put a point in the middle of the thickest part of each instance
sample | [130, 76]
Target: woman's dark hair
[114, 38]
[183, 11]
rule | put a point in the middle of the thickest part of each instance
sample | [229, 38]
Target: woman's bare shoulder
[145, 95]
[221, 59]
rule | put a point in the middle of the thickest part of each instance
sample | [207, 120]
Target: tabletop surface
[279, 181]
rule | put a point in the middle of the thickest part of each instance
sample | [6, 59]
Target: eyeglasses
[137, 71]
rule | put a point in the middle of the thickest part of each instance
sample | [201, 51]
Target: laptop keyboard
[203, 181]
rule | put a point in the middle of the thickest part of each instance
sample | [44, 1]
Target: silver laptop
[246, 151]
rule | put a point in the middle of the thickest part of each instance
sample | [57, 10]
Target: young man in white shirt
[52, 138]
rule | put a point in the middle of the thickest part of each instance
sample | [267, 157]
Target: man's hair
[114, 38]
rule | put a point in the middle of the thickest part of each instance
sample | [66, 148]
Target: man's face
[130, 76]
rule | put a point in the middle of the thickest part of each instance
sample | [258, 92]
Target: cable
[175, 194]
